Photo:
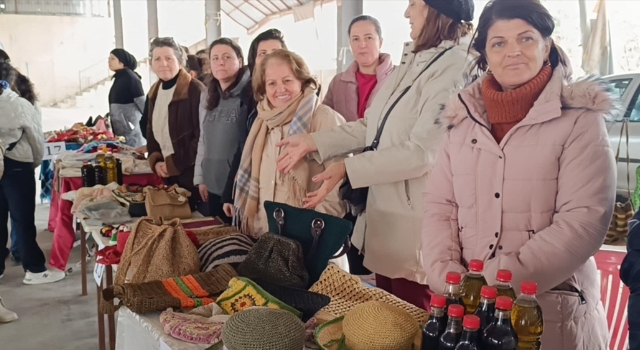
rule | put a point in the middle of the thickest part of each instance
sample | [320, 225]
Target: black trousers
[354, 257]
[18, 197]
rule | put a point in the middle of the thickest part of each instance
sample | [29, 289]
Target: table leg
[83, 253]
[101, 336]
[111, 317]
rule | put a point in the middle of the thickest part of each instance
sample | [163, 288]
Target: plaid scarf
[298, 115]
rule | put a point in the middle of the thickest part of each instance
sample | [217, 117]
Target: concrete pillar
[152, 19]
[347, 10]
[213, 20]
[152, 31]
[117, 23]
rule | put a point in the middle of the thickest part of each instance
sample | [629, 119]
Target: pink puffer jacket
[539, 203]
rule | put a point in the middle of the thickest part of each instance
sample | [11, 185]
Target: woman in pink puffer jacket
[525, 179]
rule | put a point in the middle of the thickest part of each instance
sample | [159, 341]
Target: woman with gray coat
[126, 98]
[224, 109]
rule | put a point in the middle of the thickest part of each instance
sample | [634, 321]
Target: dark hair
[186, 49]
[194, 63]
[438, 28]
[201, 52]
[530, 11]
[4, 57]
[166, 42]
[269, 34]
[214, 85]
[366, 18]
[7, 73]
[24, 87]
[298, 67]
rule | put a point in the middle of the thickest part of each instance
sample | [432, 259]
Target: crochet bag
[168, 204]
[321, 235]
[178, 292]
[276, 259]
[157, 250]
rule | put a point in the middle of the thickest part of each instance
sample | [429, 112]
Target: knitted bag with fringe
[180, 292]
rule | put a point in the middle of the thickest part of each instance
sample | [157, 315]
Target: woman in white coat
[388, 233]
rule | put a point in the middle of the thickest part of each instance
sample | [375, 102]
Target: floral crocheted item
[243, 293]
[191, 328]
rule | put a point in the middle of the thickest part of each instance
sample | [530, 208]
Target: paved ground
[52, 316]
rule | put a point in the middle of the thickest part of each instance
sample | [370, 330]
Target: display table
[103, 275]
[61, 221]
[144, 332]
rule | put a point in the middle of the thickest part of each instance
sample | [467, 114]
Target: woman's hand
[161, 169]
[333, 175]
[141, 150]
[204, 192]
[228, 209]
[298, 146]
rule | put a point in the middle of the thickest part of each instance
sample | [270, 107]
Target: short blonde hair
[297, 64]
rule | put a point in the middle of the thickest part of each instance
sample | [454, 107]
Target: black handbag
[357, 198]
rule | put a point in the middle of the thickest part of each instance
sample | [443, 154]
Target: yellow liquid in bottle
[111, 170]
[526, 318]
[100, 158]
[470, 291]
[505, 290]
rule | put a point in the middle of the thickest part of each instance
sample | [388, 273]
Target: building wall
[52, 50]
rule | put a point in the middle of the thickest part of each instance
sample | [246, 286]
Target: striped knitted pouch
[180, 292]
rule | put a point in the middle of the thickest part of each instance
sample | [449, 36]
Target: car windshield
[619, 86]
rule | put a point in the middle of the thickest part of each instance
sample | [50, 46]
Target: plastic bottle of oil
[111, 170]
[100, 158]
[526, 317]
[452, 289]
[504, 284]
[471, 285]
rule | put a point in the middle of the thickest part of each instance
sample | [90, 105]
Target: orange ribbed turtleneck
[505, 109]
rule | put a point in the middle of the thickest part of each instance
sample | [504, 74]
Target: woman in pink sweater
[350, 92]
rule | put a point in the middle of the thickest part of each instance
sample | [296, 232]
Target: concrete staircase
[96, 98]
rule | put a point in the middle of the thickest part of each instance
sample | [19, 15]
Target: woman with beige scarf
[287, 105]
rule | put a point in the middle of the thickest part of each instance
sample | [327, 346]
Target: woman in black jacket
[126, 98]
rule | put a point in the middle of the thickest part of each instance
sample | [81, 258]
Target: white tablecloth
[144, 332]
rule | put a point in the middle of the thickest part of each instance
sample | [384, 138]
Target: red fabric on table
[64, 228]
[409, 291]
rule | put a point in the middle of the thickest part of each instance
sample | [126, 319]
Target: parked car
[627, 88]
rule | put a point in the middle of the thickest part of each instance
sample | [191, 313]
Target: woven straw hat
[261, 328]
[374, 325]
[346, 291]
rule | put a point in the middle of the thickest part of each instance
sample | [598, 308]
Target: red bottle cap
[453, 278]
[456, 310]
[438, 301]
[476, 265]
[488, 292]
[504, 276]
[471, 322]
[529, 288]
[504, 303]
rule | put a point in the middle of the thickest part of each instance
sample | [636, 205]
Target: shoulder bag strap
[376, 139]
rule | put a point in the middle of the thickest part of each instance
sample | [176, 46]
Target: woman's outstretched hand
[331, 177]
[297, 147]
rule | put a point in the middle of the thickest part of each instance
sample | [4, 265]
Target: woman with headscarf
[126, 98]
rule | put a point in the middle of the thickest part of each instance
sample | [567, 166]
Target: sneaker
[48, 276]
[6, 315]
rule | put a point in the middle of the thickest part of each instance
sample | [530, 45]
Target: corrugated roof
[252, 14]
